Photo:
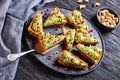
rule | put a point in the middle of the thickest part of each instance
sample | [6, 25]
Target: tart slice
[85, 38]
[69, 37]
[46, 41]
[36, 27]
[91, 53]
[77, 21]
[56, 18]
[68, 59]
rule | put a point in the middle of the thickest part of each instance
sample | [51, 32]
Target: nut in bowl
[107, 19]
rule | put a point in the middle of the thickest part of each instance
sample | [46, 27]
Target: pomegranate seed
[66, 69]
[60, 10]
[87, 29]
[78, 30]
[49, 32]
[55, 41]
[37, 23]
[59, 16]
[95, 38]
[90, 35]
[84, 34]
[45, 16]
[90, 30]
[30, 40]
[52, 14]
[61, 25]
[71, 60]
[47, 9]
[72, 14]
[82, 21]
[80, 61]
[48, 41]
[49, 57]
[56, 29]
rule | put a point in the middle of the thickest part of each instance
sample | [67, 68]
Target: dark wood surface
[30, 68]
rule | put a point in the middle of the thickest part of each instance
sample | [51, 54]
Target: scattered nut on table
[82, 6]
[96, 4]
[79, 1]
[107, 18]
[86, 1]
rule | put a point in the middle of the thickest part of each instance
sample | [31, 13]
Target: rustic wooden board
[30, 68]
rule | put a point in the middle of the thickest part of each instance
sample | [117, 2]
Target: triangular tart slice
[36, 26]
[76, 19]
[47, 41]
[85, 38]
[91, 53]
[69, 60]
[56, 18]
[69, 37]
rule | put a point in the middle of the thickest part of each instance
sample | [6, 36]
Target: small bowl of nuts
[108, 19]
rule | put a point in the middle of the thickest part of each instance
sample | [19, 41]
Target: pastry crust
[85, 38]
[82, 64]
[53, 13]
[67, 32]
[40, 48]
[75, 19]
[88, 57]
[75, 26]
[30, 30]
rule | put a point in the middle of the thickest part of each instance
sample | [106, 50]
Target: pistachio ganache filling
[37, 24]
[48, 40]
[89, 51]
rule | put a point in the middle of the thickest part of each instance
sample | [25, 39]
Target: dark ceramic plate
[55, 31]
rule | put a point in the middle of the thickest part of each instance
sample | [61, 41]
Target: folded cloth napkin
[13, 14]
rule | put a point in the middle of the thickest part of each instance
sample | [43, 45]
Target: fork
[13, 57]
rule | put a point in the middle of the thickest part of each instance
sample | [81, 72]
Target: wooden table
[30, 68]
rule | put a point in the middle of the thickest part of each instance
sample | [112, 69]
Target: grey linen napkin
[13, 14]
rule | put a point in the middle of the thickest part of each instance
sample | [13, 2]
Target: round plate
[55, 31]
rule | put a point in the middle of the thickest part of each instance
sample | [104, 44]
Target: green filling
[90, 51]
[81, 37]
[74, 15]
[37, 24]
[49, 40]
[67, 56]
[76, 61]
[76, 18]
[70, 34]
[55, 18]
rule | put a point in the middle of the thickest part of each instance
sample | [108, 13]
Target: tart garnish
[76, 19]
[69, 60]
[56, 18]
[36, 27]
[91, 53]
[85, 38]
[46, 41]
[69, 37]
